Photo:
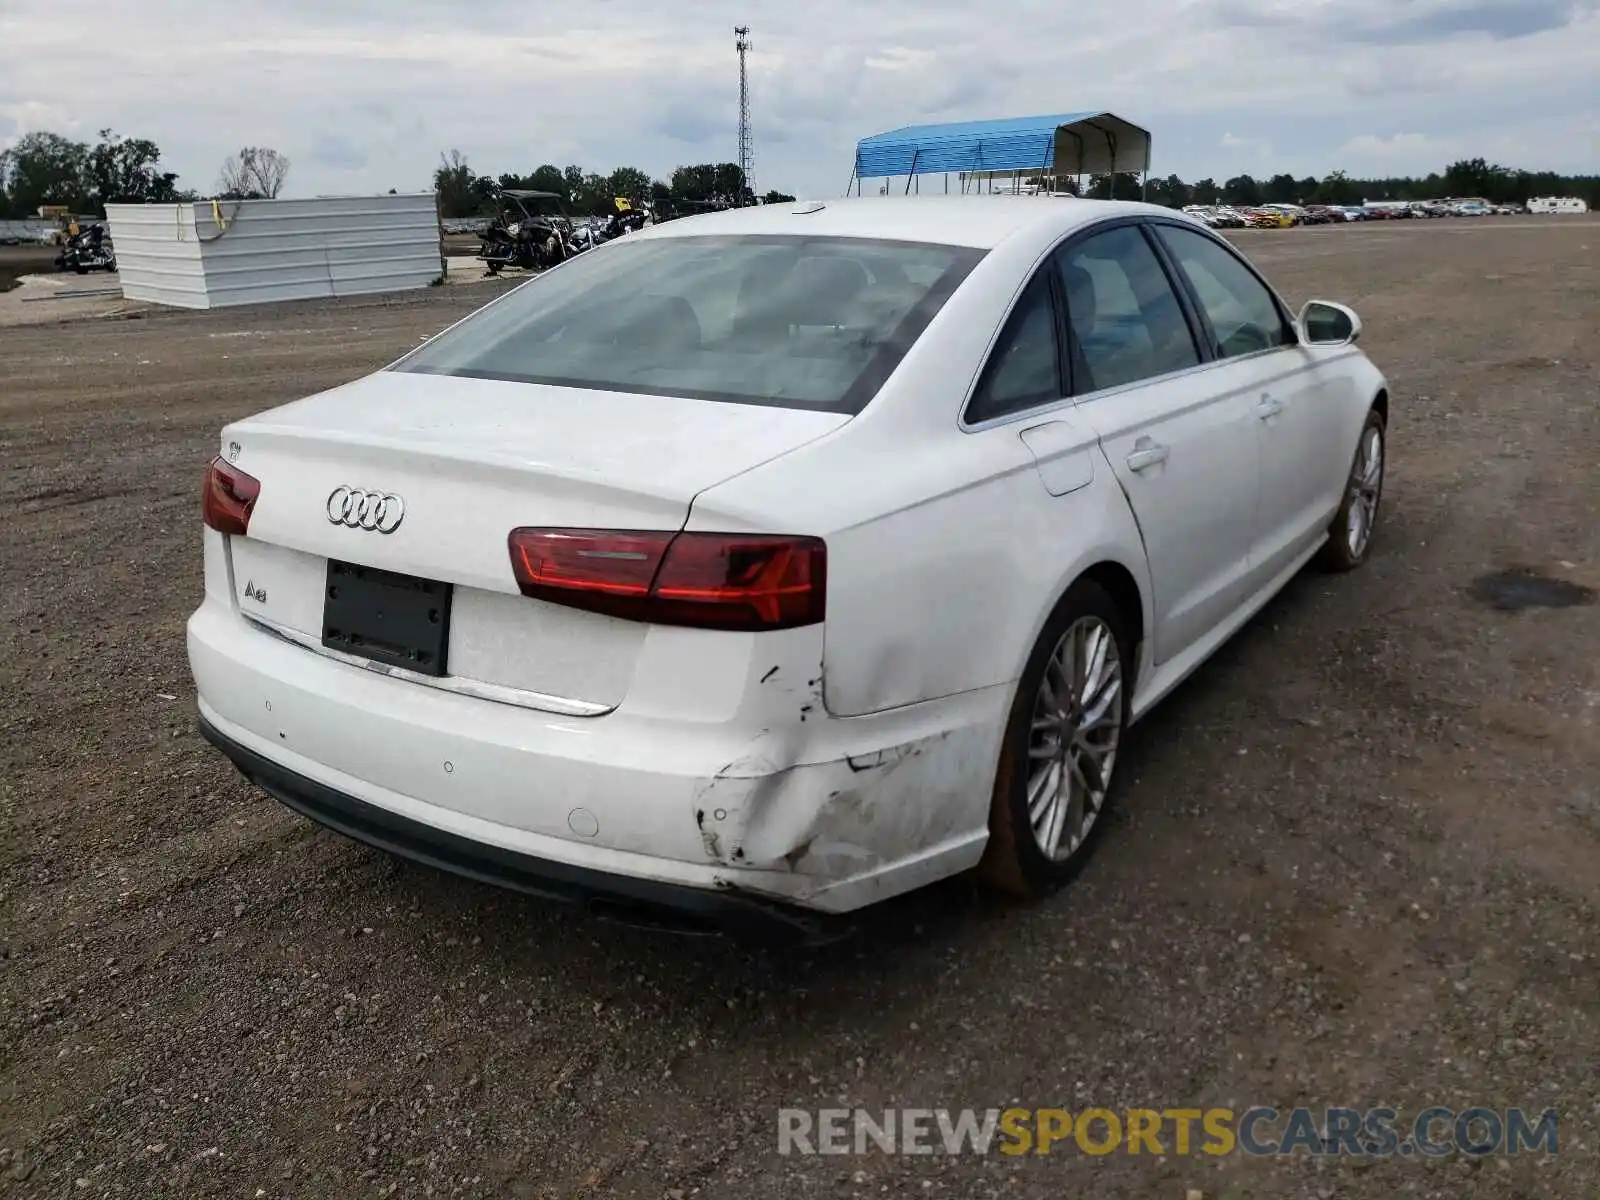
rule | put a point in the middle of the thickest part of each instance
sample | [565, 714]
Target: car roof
[980, 221]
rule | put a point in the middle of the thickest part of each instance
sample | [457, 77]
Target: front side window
[1126, 321]
[1025, 368]
[1242, 312]
[798, 322]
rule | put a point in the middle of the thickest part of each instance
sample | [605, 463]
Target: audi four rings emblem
[356, 509]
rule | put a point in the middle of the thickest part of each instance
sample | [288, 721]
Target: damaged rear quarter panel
[823, 822]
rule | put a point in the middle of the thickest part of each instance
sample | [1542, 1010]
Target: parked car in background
[773, 563]
[1267, 217]
[1389, 210]
[1322, 214]
[1296, 214]
[1471, 208]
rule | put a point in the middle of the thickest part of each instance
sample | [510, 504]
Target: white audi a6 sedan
[766, 564]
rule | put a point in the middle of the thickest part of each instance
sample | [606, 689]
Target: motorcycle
[626, 219]
[87, 250]
[532, 231]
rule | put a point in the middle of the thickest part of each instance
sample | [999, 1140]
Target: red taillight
[707, 580]
[230, 494]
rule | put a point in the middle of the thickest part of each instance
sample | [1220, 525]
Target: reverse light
[705, 580]
[229, 496]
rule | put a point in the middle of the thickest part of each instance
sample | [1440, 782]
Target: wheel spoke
[1102, 704]
[1088, 770]
[1043, 789]
[1072, 818]
[1051, 841]
[1095, 669]
[1082, 653]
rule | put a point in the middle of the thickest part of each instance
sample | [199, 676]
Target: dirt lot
[1357, 862]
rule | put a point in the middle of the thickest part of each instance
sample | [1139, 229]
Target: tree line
[464, 193]
[1472, 177]
[46, 168]
[49, 169]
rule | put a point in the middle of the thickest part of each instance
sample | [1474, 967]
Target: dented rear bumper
[629, 900]
[815, 812]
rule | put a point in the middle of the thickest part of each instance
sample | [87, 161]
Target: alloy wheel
[1073, 738]
[1366, 482]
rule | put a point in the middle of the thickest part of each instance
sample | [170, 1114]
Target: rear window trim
[867, 384]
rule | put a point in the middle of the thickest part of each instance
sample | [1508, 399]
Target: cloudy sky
[364, 94]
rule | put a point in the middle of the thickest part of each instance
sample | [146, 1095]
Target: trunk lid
[471, 460]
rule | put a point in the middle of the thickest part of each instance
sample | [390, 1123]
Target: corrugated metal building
[212, 254]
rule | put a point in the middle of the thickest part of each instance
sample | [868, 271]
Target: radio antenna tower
[747, 152]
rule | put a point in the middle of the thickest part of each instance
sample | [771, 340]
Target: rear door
[1182, 448]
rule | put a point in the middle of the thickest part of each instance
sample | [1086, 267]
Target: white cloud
[365, 94]
[1399, 145]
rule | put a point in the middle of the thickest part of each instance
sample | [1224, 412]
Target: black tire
[1013, 860]
[1337, 553]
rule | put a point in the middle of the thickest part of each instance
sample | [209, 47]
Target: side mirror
[1324, 323]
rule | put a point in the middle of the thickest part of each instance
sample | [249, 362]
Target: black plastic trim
[638, 902]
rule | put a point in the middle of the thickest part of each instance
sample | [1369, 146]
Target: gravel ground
[1358, 858]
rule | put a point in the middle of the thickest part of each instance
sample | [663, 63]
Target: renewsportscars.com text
[1434, 1132]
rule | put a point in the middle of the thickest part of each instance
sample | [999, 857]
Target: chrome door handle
[1147, 455]
[1268, 407]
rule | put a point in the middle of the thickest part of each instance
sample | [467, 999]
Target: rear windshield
[798, 322]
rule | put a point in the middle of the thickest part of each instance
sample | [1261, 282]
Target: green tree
[1241, 190]
[1171, 191]
[1336, 188]
[125, 171]
[695, 183]
[1205, 192]
[630, 183]
[1126, 186]
[1280, 189]
[1472, 177]
[453, 182]
[547, 178]
[776, 197]
[45, 168]
[713, 183]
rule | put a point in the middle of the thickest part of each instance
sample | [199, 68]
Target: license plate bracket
[389, 618]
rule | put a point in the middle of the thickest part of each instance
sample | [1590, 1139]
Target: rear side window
[1125, 319]
[1241, 311]
[798, 322]
[1025, 368]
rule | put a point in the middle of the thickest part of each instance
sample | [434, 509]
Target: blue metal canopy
[1084, 143]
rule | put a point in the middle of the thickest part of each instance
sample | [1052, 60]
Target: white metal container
[211, 254]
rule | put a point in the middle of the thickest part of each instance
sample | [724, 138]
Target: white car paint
[829, 765]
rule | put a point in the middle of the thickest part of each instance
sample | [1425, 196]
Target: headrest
[1080, 297]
